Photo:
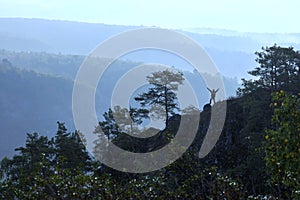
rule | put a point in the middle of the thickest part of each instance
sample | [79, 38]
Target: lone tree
[161, 96]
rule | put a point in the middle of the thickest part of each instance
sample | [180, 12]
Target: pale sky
[240, 15]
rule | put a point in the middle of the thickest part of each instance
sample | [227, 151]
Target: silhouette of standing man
[213, 95]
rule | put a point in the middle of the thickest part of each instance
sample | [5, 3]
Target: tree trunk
[166, 106]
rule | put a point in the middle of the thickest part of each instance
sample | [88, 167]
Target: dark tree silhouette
[161, 96]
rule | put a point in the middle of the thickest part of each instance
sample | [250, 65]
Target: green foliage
[210, 184]
[70, 152]
[278, 69]
[244, 164]
[43, 166]
[51, 169]
[283, 145]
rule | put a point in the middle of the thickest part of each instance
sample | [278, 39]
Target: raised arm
[209, 89]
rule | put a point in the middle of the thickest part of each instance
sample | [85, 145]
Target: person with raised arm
[213, 93]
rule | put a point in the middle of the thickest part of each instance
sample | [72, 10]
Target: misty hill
[232, 53]
[37, 76]
[29, 102]
[285, 39]
[36, 91]
[47, 63]
[66, 66]
[54, 36]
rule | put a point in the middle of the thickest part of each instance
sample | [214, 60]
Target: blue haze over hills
[39, 60]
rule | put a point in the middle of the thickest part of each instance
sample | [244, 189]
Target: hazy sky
[241, 15]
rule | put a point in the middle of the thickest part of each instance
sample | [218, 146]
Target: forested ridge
[256, 157]
[36, 90]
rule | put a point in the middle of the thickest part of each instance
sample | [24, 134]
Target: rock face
[207, 107]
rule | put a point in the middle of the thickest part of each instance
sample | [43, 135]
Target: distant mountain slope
[231, 51]
[30, 102]
[46, 63]
[56, 36]
[70, 37]
[262, 38]
[67, 66]
[35, 93]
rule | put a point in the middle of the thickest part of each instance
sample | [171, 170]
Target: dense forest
[256, 157]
